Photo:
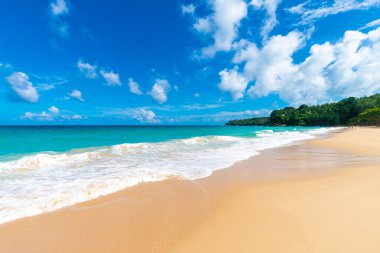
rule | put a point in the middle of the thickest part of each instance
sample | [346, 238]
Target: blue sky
[181, 62]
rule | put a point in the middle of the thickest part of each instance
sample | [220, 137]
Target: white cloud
[43, 116]
[76, 116]
[87, 69]
[52, 115]
[234, 83]
[54, 110]
[197, 95]
[331, 71]
[134, 87]
[310, 14]
[20, 83]
[188, 9]
[203, 25]
[76, 94]
[112, 78]
[270, 6]
[145, 116]
[298, 9]
[223, 23]
[371, 24]
[159, 90]
[271, 66]
[59, 7]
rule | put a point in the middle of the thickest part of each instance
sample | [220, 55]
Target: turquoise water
[16, 141]
[45, 168]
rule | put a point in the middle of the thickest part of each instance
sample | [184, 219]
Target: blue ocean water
[43, 168]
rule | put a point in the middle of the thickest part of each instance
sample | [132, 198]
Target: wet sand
[320, 196]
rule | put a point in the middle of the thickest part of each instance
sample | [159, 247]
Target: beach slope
[320, 196]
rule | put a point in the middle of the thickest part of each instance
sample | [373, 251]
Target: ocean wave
[47, 181]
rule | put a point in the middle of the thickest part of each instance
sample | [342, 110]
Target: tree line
[363, 111]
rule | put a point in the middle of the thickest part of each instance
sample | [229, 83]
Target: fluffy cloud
[53, 114]
[76, 94]
[134, 87]
[234, 83]
[112, 78]
[54, 110]
[310, 14]
[43, 116]
[145, 116]
[223, 23]
[347, 68]
[159, 91]
[20, 83]
[58, 9]
[270, 6]
[87, 69]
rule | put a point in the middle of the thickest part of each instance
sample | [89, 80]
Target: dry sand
[305, 198]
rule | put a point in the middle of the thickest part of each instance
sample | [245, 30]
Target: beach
[317, 196]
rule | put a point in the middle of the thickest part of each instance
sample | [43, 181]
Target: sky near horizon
[181, 62]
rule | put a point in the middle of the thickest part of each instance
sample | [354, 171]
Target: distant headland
[351, 111]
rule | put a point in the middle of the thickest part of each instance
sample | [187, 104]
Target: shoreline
[156, 217]
[85, 174]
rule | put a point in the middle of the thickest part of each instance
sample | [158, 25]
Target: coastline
[196, 216]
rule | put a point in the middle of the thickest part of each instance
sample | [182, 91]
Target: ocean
[44, 168]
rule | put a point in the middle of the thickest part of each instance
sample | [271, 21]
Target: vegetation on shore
[347, 112]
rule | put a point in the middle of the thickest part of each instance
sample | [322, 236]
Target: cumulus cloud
[87, 69]
[43, 116]
[134, 87]
[309, 14]
[59, 9]
[76, 94]
[145, 116]
[20, 84]
[111, 78]
[348, 67]
[52, 115]
[234, 83]
[159, 91]
[53, 110]
[270, 6]
[223, 24]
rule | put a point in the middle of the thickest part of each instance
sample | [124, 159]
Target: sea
[44, 168]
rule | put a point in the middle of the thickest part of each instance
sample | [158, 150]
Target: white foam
[47, 181]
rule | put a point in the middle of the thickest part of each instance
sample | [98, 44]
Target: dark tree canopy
[349, 111]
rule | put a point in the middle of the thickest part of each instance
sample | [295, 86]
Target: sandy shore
[316, 197]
